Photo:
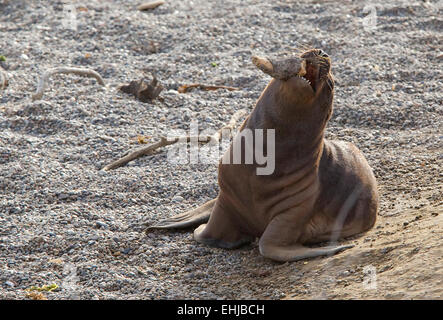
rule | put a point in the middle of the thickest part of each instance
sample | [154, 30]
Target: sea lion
[320, 190]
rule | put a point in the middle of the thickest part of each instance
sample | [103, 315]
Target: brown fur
[320, 190]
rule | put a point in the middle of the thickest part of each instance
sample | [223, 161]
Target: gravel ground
[64, 221]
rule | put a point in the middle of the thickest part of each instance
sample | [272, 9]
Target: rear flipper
[281, 239]
[186, 219]
[298, 252]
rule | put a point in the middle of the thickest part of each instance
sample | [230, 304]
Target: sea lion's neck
[295, 124]
[299, 130]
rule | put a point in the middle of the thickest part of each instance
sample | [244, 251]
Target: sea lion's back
[346, 179]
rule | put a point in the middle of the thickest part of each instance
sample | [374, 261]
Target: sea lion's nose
[281, 69]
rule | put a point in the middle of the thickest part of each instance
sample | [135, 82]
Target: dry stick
[186, 87]
[140, 153]
[165, 142]
[82, 72]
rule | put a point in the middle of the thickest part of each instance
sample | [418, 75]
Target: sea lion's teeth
[304, 79]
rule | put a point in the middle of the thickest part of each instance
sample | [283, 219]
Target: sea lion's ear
[281, 69]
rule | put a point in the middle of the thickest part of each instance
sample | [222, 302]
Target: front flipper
[187, 219]
[238, 241]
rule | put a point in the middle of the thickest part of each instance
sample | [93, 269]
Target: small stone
[56, 261]
[177, 199]
[150, 5]
[63, 196]
[345, 273]
[38, 240]
[100, 224]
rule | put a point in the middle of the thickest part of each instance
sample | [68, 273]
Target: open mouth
[306, 69]
[309, 73]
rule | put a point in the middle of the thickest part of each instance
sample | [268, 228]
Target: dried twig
[150, 5]
[140, 153]
[185, 88]
[44, 79]
[165, 142]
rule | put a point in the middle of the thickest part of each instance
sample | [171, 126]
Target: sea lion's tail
[186, 219]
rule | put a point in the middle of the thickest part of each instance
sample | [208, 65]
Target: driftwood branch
[165, 142]
[185, 88]
[82, 72]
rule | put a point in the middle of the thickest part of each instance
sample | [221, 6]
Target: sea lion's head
[305, 80]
